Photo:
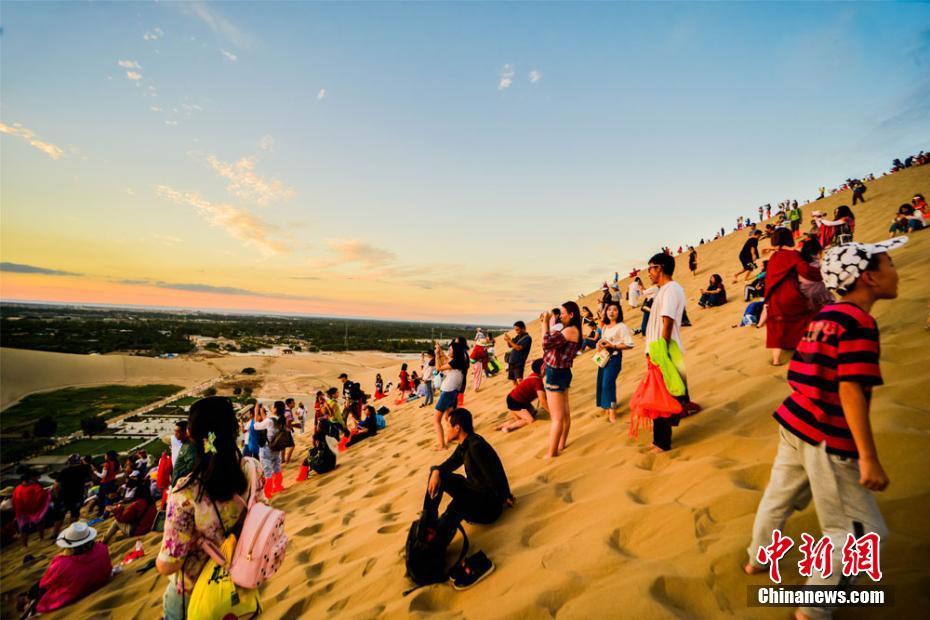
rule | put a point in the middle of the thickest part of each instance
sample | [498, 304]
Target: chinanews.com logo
[829, 585]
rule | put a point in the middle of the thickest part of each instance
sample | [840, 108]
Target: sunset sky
[449, 162]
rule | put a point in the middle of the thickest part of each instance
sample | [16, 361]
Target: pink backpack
[261, 545]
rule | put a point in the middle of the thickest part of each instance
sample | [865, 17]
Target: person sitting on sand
[839, 230]
[364, 426]
[756, 288]
[321, 458]
[753, 315]
[107, 484]
[521, 397]
[826, 450]
[591, 340]
[748, 256]
[31, 503]
[379, 387]
[479, 496]
[203, 505]
[715, 294]
[135, 516]
[82, 568]
[453, 368]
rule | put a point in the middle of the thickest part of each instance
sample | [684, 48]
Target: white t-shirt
[617, 334]
[452, 381]
[634, 293]
[175, 448]
[669, 301]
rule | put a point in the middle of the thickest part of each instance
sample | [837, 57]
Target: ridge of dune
[608, 528]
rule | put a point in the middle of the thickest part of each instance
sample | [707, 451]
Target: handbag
[601, 357]
[278, 442]
[651, 400]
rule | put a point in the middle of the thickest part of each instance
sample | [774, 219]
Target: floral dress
[189, 521]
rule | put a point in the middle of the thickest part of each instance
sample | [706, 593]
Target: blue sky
[426, 160]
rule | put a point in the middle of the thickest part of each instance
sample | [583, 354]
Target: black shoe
[471, 571]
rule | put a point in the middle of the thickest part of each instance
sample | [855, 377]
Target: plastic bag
[651, 400]
[216, 596]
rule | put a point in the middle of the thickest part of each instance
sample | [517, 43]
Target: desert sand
[607, 529]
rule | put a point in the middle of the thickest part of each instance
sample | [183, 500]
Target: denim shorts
[447, 400]
[558, 379]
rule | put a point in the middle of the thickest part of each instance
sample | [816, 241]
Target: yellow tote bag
[215, 595]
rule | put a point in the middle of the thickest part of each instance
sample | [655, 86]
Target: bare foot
[655, 449]
[752, 569]
[439, 448]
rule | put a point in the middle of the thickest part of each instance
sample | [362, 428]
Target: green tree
[45, 426]
[93, 425]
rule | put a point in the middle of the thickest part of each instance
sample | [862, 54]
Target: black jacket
[483, 468]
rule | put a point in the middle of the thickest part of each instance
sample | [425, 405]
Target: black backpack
[425, 551]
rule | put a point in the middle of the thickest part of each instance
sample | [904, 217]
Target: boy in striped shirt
[826, 451]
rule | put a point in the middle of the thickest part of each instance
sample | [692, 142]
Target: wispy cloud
[154, 34]
[169, 240]
[219, 24]
[128, 64]
[344, 252]
[29, 136]
[171, 123]
[239, 223]
[245, 184]
[135, 76]
[506, 77]
[154, 108]
[266, 143]
[535, 76]
[321, 95]
[20, 268]
[229, 55]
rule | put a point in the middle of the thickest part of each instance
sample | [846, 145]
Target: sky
[422, 161]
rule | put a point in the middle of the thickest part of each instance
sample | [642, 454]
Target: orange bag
[651, 400]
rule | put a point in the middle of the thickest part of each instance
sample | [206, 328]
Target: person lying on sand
[520, 400]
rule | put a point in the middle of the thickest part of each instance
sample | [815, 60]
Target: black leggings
[472, 505]
[662, 427]
[514, 405]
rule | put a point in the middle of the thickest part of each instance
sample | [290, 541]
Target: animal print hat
[841, 266]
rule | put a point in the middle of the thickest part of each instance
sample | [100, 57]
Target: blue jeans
[642, 327]
[172, 602]
[606, 392]
[271, 461]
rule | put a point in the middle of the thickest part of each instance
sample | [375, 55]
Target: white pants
[801, 472]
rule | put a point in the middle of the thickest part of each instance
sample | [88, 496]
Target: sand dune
[607, 529]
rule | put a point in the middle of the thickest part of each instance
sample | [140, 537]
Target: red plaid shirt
[558, 352]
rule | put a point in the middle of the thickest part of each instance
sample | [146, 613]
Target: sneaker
[471, 571]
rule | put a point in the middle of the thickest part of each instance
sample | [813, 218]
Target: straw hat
[75, 535]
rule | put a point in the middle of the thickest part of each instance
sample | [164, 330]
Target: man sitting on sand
[479, 496]
[520, 400]
[826, 450]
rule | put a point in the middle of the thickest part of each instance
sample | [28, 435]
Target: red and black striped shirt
[841, 344]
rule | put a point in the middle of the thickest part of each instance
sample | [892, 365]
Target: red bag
[651, 400]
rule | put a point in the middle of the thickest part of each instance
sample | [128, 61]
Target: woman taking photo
[202, 506]
[270, 456]
[615, 339]
[453, 369]
[787, 309]
[559, 350]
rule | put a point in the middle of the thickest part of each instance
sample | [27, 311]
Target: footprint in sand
[390, 529]
[563, 490]
[313, 571]
[530, 530]
[370, 564]
[616, 543]
[753, 477]
[310, 530]
[636, 495]
[348, 517]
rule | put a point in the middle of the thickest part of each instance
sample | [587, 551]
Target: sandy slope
[26, 372]
[606, 530]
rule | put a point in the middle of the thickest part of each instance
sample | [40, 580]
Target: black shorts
[748, 265]
[517, 406]
[515, 373]
[795, 225]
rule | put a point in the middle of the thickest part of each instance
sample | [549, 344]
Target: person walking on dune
[826, 450]
[748, 256]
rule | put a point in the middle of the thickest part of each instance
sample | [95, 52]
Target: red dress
[788, 309]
